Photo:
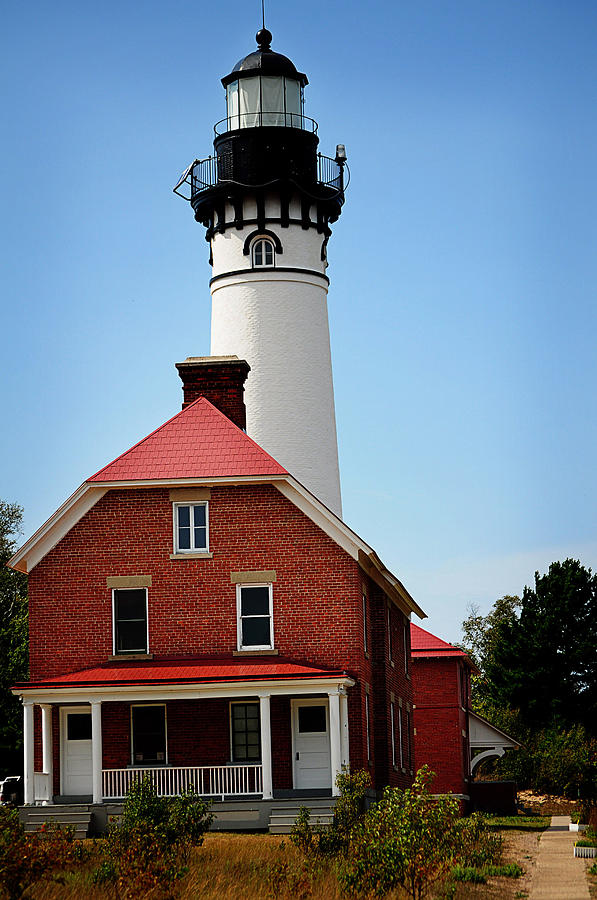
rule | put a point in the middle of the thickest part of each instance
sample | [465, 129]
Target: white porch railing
[208, 781]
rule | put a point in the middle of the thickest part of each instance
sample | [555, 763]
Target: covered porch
[227, 729]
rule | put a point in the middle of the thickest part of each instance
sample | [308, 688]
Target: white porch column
[335, 739]
[96, 750]
[266, 746]
[344, 739]
[46, 738]
[29, 769]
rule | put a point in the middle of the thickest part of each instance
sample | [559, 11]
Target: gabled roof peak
[198, 442]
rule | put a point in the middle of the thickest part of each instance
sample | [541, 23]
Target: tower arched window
[263, 253]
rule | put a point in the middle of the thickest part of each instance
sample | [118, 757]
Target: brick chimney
[220, 379]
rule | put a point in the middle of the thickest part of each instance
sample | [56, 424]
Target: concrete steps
[77, 815]
[283, 814]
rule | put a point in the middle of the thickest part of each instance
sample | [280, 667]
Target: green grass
[479, 875]
[585, 843]
[521, 823]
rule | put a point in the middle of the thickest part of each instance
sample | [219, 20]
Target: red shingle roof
[185, 671]
[423, 643]
[198, 442]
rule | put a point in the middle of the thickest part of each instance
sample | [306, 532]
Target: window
[400, 747]
[130, 620]
[255, 619]
[263, 253]
[365, 634]
[408, 741]
[191, 527]
[367, 727]
[389, 634]
[148, 734]
[245, 732]
[392, 734]
[405, 629]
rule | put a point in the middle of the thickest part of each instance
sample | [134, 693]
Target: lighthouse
[266, 198]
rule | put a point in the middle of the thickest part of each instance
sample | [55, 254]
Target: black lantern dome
[265, 143]
[264, 62]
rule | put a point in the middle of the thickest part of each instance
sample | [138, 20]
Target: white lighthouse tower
[267, 198]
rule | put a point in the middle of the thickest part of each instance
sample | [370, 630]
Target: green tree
[539, 655]
[14, 653]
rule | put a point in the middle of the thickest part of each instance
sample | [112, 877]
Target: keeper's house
[196, 613]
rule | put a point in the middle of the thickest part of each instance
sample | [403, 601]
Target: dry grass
[254, 866]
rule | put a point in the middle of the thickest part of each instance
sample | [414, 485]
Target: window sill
[195, 554]
[393, 664]
[270, 652]
[119, 656]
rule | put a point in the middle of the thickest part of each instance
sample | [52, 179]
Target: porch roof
[184, 671]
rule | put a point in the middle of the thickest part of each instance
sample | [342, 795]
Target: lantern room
[264, 89]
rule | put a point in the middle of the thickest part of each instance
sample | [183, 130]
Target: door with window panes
[311, 744]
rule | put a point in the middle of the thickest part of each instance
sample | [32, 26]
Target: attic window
[191, 527]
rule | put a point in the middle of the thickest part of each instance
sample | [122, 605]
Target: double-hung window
[148, 734]
[191, 527]
[255, 625]
[245, 735]
[130, 620]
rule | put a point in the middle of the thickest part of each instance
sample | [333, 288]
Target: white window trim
[239, 632]
[145, 765]
[115, 651]
[401, 748]
[248, 762]
[264, 265]
[191, 549]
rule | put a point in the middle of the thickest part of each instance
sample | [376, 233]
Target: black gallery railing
[203, 174]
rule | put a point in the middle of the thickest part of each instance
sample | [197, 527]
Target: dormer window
[263, 253]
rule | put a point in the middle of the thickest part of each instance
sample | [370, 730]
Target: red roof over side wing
[199, 442]
[184, 671]
[425, 644]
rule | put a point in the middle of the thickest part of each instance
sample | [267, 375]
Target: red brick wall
[439, 721]
[192, 611]
[388, 679]
[192, 604]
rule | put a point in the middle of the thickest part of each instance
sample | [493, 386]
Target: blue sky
[463, 268]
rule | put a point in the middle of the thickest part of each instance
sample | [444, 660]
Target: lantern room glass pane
[249, 102]
[232, 105]
[272, 100]
[293, 103]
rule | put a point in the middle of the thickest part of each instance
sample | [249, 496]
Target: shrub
[26, 858]
[349, 809]
[407, 839]
[148, 849]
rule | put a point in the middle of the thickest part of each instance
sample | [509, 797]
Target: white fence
[208, 781]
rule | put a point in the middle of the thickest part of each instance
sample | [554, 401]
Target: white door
[311, 744]
[75, 744]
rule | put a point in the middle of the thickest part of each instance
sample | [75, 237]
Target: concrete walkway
[559, 876]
